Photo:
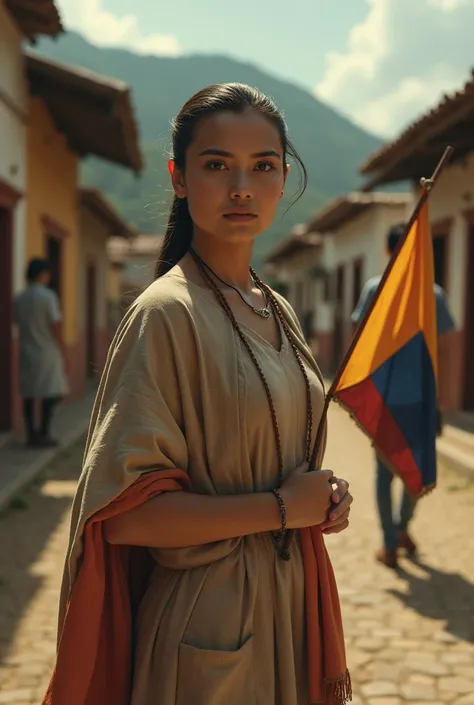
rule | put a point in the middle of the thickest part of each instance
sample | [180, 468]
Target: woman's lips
[240, 217]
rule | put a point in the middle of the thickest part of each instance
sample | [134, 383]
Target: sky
[380, 62]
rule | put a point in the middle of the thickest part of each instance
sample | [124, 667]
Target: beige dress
[220, 624]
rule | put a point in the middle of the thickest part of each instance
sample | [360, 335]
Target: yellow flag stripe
[405, 306]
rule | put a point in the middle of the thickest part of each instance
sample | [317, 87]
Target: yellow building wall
[52, 192]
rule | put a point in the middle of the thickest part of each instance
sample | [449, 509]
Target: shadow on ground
[26, 527]
[440, 596]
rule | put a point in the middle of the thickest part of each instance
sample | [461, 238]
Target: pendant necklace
[263, 312]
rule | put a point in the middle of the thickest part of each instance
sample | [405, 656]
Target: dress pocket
[208, 677]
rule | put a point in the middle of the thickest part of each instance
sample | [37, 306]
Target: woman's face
[234, 175]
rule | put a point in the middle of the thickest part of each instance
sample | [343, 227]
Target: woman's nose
[241, 187]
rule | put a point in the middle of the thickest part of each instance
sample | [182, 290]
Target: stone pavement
[410, 635]
[19, 464]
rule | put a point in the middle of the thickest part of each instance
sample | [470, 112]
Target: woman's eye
[264, 166]
[215, 166]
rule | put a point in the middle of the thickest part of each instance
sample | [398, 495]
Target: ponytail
[178, 237]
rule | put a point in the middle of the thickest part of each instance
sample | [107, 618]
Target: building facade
[18, 22]
[415, 154]
[97, 317]
[74, 113]
[133, 265]
[325, 268]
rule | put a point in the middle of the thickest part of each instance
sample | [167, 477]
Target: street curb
[26, 476]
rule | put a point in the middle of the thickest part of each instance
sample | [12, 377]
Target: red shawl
[94, 659]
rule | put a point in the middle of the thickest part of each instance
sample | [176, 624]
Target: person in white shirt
[38, 315]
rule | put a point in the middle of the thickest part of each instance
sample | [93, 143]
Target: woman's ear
[177, 179]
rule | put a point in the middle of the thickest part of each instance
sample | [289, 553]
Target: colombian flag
[388, 383]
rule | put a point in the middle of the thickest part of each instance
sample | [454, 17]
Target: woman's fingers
[340, 514]
[342, 488]
[336, 529]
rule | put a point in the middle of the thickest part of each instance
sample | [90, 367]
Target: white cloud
[447, 5]
[399, 61]
[104, 28]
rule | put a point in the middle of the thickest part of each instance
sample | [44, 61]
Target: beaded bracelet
[281, 533]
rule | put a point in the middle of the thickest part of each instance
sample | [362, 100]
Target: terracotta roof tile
[95, 112]
[434, 129]
[351, 205]
[299, 239]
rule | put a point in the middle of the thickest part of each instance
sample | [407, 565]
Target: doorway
[468, 401]
[339, 323]
[6, 319]
[54, 257]
[440, 254]
[91, 322]
[357, 281]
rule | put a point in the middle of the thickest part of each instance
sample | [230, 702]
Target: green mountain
[330, 145]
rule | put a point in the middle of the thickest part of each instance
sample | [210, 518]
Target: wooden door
[357, 281]
[54, 257]
[91, 322]
[440, 254]
[339, 324]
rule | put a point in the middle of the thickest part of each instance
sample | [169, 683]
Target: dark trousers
[47, 409]
[391, 525]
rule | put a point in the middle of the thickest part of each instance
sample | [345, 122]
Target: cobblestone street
[410, 634]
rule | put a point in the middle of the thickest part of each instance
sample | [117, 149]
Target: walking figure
[37, 313]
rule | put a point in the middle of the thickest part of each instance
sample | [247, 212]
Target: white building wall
[451, 197]
[362, 238]
[13, 107]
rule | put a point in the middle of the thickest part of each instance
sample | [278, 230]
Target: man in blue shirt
[395, 532]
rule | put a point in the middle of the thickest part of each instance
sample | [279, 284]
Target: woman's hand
[338, 515]
[307, 496]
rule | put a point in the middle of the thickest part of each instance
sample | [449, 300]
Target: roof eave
[346, 208]
[95, 201]
[291, 246]
[426, 139]
[49, 79]
[43, 19]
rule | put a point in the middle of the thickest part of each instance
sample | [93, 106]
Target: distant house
[133, 265]
[97, 315]
[326, 264]
[19, 21]
[354, 230]
[293, 269]
[412, 155]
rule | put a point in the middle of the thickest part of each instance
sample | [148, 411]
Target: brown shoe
[407, 543]
[387, 557]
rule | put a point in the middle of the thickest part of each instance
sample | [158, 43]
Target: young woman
[197, 458]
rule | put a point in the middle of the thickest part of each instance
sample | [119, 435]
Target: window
[53, 255]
